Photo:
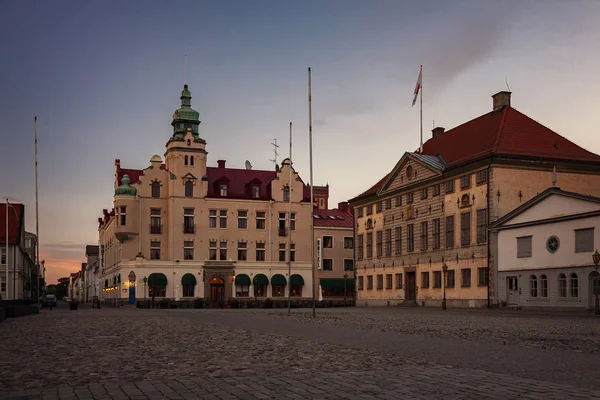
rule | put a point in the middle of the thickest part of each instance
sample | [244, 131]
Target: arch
[286, 193]
[464, 200]
[188, 279]
[296, 280]
[242, 279]
[186, 160]
[573, 285]
[188, 284]
[533, 286]
[156, 189]
[278, 283]
[296, 285]
[261, 279]
[260, 285]
[242, 285]
[217, 289]
[369, 223]
[217, 281]
[543, 285]
[189, 189]
[157, 285]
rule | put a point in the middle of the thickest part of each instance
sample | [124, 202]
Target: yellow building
[184, 230]
[434, 207]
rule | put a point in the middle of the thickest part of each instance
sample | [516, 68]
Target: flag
[418, 86]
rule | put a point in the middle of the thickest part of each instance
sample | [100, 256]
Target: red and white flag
[418, 87]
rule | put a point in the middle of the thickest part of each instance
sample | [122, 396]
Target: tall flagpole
[312, 228]
[37, 225]
[421, 90]
[6, 258]
[289, 245]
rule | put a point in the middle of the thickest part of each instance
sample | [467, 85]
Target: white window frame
[351, 238]
[242, 218]
[212, 219]
[187, 246]
[263, 219]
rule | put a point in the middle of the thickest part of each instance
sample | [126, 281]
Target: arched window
[573, 285]
[191, 160]
[186, 160]
[543, 286]
[156, 189]
[464, 201]
[286, 193]
[189, 189]
[562, 285]
[533, 285]
[369, 223]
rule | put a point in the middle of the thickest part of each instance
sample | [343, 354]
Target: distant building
[92, 273]
[321, 195]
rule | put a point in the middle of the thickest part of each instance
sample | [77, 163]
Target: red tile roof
[15, 225]
[341, 219]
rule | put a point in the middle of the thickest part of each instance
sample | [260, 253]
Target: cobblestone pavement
[261, 354]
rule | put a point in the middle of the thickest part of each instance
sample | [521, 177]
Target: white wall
[554, 206]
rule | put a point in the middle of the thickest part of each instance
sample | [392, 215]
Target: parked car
[49, 300]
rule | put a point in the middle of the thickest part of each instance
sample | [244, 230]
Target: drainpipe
[489, 168]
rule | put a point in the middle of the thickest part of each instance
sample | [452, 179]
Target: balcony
[283, 232]
[124, 232]
[189, 228]
[155, 229]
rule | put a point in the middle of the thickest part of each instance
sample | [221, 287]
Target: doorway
[131, 292]
[593, 288]
[512, 286]
[411, 286]
[217, 290]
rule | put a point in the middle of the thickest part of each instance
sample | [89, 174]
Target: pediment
[189, 176]
[411, 169]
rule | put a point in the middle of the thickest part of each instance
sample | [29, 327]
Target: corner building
[184, 230]
[435, 206]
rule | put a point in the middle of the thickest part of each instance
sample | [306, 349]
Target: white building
[544, 251]
[92, 273]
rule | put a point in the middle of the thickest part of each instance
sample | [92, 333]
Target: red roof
[335, 218]
[15, 223]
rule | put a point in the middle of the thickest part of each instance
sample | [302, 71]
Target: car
[67, 299]
[49, 300]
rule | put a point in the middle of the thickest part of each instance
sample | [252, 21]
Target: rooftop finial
[554, 176]
[185, 69]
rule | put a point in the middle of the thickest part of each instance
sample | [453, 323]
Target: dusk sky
[104, 79]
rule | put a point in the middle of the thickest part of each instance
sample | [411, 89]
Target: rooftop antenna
[185, 69]
[506, 80]
[248, 165]
[275, 147]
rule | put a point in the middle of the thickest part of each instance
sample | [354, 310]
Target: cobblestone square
[384, 353]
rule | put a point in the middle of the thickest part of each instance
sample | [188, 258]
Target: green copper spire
[185, 116]
[125, 189]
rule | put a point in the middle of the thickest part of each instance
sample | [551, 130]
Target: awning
[261, 279]
[188, 279]
[157, 279]
[119, 278]
[337, 283]
[242, 280]
[296, 280]
[278, 280]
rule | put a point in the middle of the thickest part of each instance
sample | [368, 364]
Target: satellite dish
[248, 165]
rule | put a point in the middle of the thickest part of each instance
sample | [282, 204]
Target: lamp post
[596, 284]
[444, 270]
[345, 277]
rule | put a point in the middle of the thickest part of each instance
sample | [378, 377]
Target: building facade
[92, 276]
[183, 230]
[434, 208]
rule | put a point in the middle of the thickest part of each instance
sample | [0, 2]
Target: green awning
[278, 280]
[188, 279]
[158, 279]
[242, 280]
[296, 280]
[261, 279]
[337, 283]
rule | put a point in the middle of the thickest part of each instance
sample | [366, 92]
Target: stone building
[182, 229]
[434, 207]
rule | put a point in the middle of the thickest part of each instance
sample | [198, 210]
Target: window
[388, 242]
[552, 244]
[212, 218]
[242, 290]
[425, 280]
[223, 250]
[260, 252]
[379, 206]
[435, 189]
[223, 190]
[322, 203]
[409, 198]
[348, 242]
[191, 160]
[573, 285]
[379, 243]
[465, 277]
[123, 215]
[155, 250]
[282, 228]
[388, 281]
[410, 239]
[370, 245]
[450, 231]
[293, 221]
[188, 220]
[464, 201]
[584, 240]
[398, 239]
[155, 189]
[398, 201]
[424, 193]
[155, 222]
[188, 250]
[360, 248]
[327, 242]
[449, 186]
[189, 189]
[483, 276]
[186, 160]
[533, 286]
[282, 252]
[327, 264]
[388, 204]
[370, 209]
[359, 212]
[482, 217]
[242, 251]
[424, 236]
[437, 240]
[437, 279]
[562, 285]
[524, 246]
[465, 181]
[450, 278]
[370, 282]
[399, 281]
[361, 283]
[543, 286]
[255, 192]
[481, 177]
[260, 220]
[3, 255]
[465, 229]
[348, 264]
[223, 219]
[242, 219]
[212, 250]
[379, 282]
[286, 193]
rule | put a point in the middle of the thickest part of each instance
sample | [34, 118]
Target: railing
[189, 228]
[156, 229]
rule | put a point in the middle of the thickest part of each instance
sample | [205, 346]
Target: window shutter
[584, 240]
[524, 246]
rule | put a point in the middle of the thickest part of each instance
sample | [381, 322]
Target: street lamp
[596, 258]
[345, 277]
[444, 270]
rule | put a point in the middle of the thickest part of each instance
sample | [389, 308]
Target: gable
[555, 205]
[408, 171]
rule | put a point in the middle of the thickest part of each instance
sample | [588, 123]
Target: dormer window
[189, 142]
[286, 193]
[186, 160]
[223, 189]
[255, 192]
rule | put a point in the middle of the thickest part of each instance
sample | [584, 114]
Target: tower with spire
[185, 116]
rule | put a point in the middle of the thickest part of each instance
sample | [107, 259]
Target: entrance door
[217, 290]
[411, 286]
[512, 285]
[131, 293]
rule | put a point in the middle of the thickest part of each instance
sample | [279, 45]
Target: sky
[104, 78]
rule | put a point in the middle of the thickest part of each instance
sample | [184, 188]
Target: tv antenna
[506, 80]
[248, 165]
[275, 147]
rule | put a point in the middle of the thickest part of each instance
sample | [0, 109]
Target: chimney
[501, 99]
[435, 132]
[221, 163]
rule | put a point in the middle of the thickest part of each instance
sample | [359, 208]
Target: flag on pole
[418, 86]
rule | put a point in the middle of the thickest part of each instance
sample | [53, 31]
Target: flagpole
[37, 225]
[289, 286]
[421, 112]
[312, 228]
[6, 258]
